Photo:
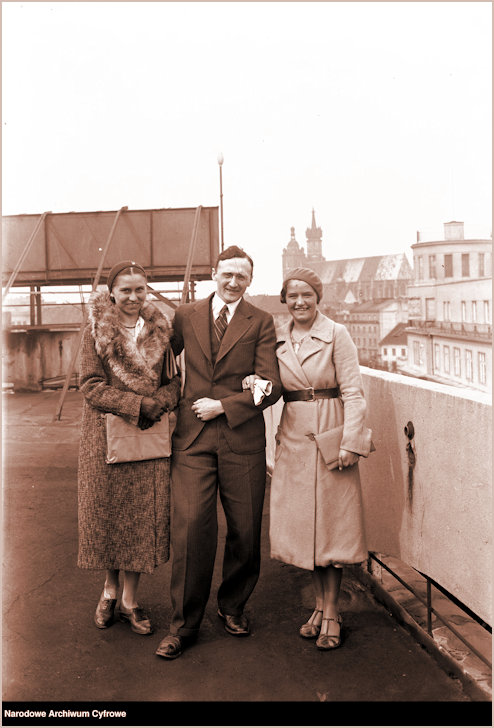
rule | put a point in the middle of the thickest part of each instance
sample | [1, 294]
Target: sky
[377, 115]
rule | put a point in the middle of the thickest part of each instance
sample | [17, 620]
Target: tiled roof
[351, 270]
[271, 304]
[370, 306]
[396, 336]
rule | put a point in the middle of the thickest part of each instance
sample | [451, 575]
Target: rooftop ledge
[432, 511]
[451, 390]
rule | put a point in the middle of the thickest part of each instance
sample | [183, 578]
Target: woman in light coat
[316, 518]
[124, 508]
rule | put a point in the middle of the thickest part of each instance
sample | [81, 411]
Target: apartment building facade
[450, 310]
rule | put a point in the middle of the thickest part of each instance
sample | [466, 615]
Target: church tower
[314, 241]
[293, 255]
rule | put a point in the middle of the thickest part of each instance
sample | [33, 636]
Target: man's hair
[233, 251]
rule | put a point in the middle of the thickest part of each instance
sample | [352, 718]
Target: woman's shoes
[327, 641]
[105, 612]
[138, 619]
[310, 629]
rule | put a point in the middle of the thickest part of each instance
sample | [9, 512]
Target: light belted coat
[316, 514]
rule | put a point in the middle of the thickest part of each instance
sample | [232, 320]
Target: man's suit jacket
[248, 347]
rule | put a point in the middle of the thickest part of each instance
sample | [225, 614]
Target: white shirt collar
[218, 303]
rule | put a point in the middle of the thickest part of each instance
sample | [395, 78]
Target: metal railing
[452, 327]
[427, 603]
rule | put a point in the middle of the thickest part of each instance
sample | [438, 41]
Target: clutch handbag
[328, 443]
[127, 443]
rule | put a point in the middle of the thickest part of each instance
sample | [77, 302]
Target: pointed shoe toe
[327, 641]
[310, 630]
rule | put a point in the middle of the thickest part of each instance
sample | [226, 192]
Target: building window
[403, 352]
[465, 264]
[446, 311]
[446, 358]
[474, 311]
[482, 368]
[416, 353]
[385, 352]
[487, 312]
[469, 365]
[457, 361]
[463, 310]
[448, 266]
[481, 265]
[432, 266]
[437, 357]
[430, 309]
[420, 268]
[393, 352]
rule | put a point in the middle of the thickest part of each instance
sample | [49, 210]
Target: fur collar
[133, 362]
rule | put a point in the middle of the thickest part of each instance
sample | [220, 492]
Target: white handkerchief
[262, 388]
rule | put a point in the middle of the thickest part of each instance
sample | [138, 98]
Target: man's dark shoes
[171, 646]
[105, 612]
[236, 625]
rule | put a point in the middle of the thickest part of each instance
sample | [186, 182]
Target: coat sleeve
[177, 339]
[95, 388]
[356, 436]
[240, 407]
[169, 394]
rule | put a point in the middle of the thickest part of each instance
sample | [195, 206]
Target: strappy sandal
[329, 641]
[309, 630]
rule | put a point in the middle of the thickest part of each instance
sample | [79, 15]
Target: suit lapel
[237, 327]
[200, 323]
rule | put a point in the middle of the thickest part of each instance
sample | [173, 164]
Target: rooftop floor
[53, 652]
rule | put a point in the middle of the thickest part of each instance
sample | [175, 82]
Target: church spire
[314, 240]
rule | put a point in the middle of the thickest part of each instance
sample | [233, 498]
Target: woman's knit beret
[119, 267]
[302, 274]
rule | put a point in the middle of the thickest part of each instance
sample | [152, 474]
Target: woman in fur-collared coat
[124, 508]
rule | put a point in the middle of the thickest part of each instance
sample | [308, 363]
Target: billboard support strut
[77, 345]
[24, 253]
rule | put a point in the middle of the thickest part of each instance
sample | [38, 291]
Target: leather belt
[310, 394]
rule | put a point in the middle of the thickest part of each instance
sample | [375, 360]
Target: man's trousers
[197, 474]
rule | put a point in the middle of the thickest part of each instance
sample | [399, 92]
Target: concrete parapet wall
[438, 518]
[32, 355]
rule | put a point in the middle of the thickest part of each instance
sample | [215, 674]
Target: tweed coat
[315, 513]
[124, 508]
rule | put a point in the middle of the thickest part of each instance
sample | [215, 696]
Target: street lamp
[220, 162]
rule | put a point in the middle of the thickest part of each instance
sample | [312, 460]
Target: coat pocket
[278, 444]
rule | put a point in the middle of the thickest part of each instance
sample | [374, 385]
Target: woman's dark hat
[119, 267]
[302, 274]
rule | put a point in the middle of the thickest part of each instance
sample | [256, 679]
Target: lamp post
[220, 162]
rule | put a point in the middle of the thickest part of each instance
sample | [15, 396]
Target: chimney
[453, 231]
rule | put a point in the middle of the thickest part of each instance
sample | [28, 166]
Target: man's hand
[346, 458]
[207, 409]
[249, 381]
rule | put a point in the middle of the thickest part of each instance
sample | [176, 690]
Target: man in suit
[219, 444]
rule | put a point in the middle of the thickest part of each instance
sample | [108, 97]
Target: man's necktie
[221, 323]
